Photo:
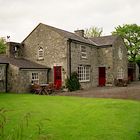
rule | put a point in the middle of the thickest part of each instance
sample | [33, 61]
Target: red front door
[57, 77]
[102, 77]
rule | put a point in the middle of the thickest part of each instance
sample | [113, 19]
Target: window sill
[40, 59]
[85, 58]
[86, 81]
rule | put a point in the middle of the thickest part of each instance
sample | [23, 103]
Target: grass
[72, 118]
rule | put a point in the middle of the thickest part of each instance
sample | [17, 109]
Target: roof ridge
[72, 33]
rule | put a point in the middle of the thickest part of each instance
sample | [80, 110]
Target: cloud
[18, 17]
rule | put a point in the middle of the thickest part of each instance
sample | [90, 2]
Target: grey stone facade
[91, 61]
[108, 57]
[21, 79]
[62, 48]
[16, 74]
[117, 61]
[3, 68]
[54, 46]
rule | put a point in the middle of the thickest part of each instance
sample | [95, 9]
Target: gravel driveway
[132, 91]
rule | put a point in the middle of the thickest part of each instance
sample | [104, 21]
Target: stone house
[112, 59]
[49, 54]
[17, 73]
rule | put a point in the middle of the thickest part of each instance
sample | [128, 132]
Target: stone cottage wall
[13, 79]
[25, 79]
[117, 62]
[55, 49]
[19, 80]
[2, 77]
[105, 59]
[137, 72]
[91, 60]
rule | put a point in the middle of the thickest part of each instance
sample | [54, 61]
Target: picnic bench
[43, 89]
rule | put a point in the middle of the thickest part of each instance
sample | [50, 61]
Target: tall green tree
[131, 35]
[2, 45]
[93, 32]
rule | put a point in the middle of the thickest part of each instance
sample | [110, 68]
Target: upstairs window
[120, 53]
[35, 77]
[84, 73]
[83, 52]
[40, 53]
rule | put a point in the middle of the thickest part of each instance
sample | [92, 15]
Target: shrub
[72, 83]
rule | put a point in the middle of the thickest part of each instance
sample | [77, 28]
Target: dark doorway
[102, 76]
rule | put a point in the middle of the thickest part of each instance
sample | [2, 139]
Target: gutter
[6, 78]
[95, 45]
[35, 68]
[69, 56]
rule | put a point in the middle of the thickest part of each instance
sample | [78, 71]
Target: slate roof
[21, 63]
[66, 34]
[104, 40]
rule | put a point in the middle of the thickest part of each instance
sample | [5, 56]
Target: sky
[19, 17]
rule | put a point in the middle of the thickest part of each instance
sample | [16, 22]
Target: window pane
[40, 53]
[35, 78]
[84, 73]
[83, 52]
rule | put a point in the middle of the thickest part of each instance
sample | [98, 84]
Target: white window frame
[84, 73]
[120, 74]
[35, 77]
[120, 53]
[40, 53]
[83, 52]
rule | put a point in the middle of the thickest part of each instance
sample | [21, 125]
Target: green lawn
[71, 118]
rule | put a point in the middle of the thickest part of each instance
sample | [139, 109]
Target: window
[83, 52]
[40, 54]
[120, 53]
[84, 73]
[35, 77]
[120, 74]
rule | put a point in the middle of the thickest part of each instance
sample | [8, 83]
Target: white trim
[120, 53]
[35, 77]
[83, 53]
[40, 53]
[84, 73]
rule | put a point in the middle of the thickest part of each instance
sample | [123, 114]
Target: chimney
[79, 33]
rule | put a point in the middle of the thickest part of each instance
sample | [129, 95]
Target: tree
[2, 45]
[93, 32]
[131, 35]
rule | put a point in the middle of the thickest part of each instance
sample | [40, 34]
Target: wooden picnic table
[42, 89]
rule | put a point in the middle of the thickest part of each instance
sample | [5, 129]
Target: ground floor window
[84, 73]
[35, 77]
[120, 74]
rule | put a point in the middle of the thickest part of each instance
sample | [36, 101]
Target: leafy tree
[93, 32]
[131, 35]
[2, 45]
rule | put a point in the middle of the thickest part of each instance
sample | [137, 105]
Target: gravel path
[132, 91]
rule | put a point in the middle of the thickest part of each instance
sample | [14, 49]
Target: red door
[102, 77]
[57, 77]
